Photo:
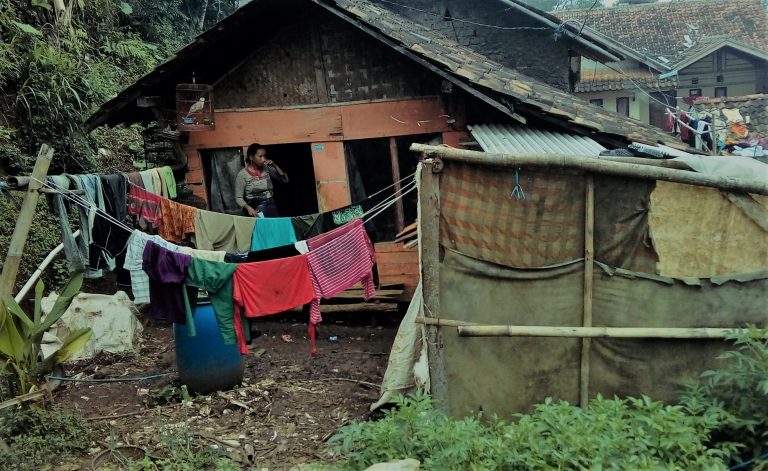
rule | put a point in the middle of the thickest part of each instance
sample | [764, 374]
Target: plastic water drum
[205, 363]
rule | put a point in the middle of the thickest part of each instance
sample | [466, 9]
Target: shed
[337, 91]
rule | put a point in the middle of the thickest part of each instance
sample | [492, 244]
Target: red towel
[264, 288]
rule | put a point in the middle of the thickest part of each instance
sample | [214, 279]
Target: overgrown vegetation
[36, 435]
[721, 420]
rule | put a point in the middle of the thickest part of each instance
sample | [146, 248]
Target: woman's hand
[269, 162]
[251, 211]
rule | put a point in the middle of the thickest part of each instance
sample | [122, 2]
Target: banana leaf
[69, 348]
[59, 307]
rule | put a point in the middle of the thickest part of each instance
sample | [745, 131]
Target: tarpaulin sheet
[698, 232]
[506, 375]
[483, 219]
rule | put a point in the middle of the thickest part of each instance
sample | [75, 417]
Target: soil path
[281, 416]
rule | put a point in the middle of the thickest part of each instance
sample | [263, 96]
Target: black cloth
[308, 226]
[108, 238]
[284, 251]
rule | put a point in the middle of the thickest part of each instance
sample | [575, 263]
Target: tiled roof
[485, 79]
[707, 45]
[660, 29]
[604, 80]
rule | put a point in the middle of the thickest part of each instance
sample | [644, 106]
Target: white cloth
[210, 255]
[735, 167]
[134, 259]
[301, 246]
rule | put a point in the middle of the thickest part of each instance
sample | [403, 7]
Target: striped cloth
[339, 264]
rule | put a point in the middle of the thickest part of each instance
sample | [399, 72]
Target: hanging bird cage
[194, 107]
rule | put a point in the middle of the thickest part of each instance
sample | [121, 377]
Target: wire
[391, 203]
[386, 202]
[508, 28]
[107, 380]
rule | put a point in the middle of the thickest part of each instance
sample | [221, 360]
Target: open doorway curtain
[223, 166]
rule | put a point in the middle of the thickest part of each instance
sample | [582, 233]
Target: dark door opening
[295, 198]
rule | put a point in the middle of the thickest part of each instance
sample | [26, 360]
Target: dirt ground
[287, 407]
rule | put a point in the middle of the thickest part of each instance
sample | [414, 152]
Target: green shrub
[36, 436]
[637, 434]
[740, 388]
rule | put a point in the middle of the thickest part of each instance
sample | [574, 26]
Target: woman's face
[259, 158]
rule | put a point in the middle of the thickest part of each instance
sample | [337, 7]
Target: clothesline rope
[391, 203]
[393, 197]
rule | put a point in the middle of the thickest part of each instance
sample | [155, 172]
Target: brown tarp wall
[510, 261]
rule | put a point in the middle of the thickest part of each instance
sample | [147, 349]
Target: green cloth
[166, 175]
[216, 279]
[269, 233]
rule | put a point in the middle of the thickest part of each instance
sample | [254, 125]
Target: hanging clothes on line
[148, 182]
[211, 255]
[167, 270]
[217, 279]
[337, 261]
[272, 232]
[168, 181]
[134, 263]
[265, 288]
[143, 204]
[178, 220]
[216, 231]
[91, 187]
[106, 236]
[75, 261]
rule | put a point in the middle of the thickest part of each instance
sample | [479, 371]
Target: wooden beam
[593, 332]
[149, 101]
[399, 211]
[24, 221]
[594, 165]
[429, 232]
[589, 266]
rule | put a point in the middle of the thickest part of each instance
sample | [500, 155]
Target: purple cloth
[167, 272]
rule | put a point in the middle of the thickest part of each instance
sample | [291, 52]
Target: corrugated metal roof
[517, 140]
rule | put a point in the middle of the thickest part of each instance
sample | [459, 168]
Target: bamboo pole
[589, 259]
[441, 322]
[43, 265]
[24, 221]
[399, 211]
[592, 332]
[595, 165]
[666, 163]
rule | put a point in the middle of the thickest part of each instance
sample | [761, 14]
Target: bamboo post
[429, 233]
[592, 332]
[399, 211]
[595, 165]
[23, 223]
[589, 266]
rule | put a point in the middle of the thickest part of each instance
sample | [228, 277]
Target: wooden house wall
[312, 62]
[740, 74]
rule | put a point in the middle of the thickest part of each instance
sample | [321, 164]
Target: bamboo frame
[589, 266]
[595, 165]
[593, 332]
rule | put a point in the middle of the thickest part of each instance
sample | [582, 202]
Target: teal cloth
[216, 279]
[272, 232]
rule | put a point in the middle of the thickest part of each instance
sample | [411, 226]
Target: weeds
[36, 435]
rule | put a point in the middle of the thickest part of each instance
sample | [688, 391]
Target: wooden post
[589, 259]
[589, 332]
[429, 233]
[399, 212]
[23, 223]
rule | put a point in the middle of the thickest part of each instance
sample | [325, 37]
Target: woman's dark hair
[253, 148]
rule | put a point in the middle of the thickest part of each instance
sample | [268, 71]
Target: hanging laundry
[685, 121]
[134, 263]
[110, 238]
[142, 204]
[301, 246]
[321, 239]
[178, 220]
[168, 181]
[75, 261]
[157, 183]
[264, 288]
[236, 257]
[337, 265]
[148, 181]
[216, 279]
[732, 115]
[91, 187]
[309, 225]
[216, 231]
[167, 271]
[272, 232]
[284, 251]
[211, 255]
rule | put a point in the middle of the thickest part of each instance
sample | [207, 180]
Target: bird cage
[194, 107]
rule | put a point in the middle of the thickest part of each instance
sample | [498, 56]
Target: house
[337, 91]
[690, 48]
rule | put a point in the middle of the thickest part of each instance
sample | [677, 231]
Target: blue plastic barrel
[204, 362]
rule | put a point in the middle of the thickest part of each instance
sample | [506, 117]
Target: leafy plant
[638, 434]
[35, 435]
[21, 335]
[740, 389]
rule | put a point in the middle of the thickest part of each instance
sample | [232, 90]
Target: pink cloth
[325, 237]
[337, 265]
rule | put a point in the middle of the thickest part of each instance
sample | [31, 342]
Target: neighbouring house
[672, 50]
[337, 91]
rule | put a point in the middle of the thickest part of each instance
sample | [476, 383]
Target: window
[694, 92]
[721, 91]
[695, 81]
[622, 105]
[720, 79]
[596, 102]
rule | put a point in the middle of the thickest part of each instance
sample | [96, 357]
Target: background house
[713, 48]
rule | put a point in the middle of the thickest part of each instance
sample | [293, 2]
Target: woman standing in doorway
[253, 185]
